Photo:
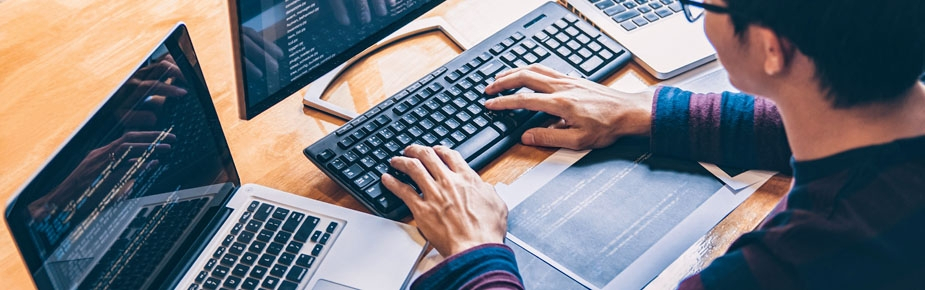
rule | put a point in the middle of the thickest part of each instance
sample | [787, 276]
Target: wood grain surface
[59, 59]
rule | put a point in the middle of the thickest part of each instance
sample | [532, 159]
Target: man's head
[862, 52]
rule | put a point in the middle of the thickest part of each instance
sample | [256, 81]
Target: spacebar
[477, 142]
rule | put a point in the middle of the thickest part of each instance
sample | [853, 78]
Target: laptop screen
[118, 205]
[282, 45]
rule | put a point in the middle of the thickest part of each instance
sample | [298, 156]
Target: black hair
[864, 51]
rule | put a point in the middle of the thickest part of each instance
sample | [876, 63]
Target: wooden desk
[60, 59]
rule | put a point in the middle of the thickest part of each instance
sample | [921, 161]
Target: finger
[522, 79]
[340, 11]
[415, 169]
[159, 88]
[362, 11]
[379, 7]
[146, 136]
[137, 149]
[548, 137]
[403, 191]
[259, 56]
[453, 160]
[428, 157]
[252, 69]
[538, 68]
[267, 46]
[529, 101]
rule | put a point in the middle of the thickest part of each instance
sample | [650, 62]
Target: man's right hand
[592, 115]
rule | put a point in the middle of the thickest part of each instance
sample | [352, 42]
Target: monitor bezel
[246, 112]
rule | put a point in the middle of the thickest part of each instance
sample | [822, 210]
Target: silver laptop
[145, 195]
[655, 31]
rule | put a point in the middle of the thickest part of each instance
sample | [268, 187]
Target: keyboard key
[266, 260]
[307, 227]
[296, 274]
[315, 236]
[274, 248]
[346, 142]
[305, 261]
[317, 249]
[324, 239]
[614, 10]
[282, 237]
[368, 161]
[287, 285]
[278, 270]
[220, 271]
[232, 282]
[478, 141]
[352, 172]
[365, 180]
[640, 21]
[294, 220]
[237, 248]
[592, 64]
[270, 282]
[202, 276]
[250, 284]
[625, 16]
[324, 156]
[220, 251]
[294, 247]
[258, 272]
[245, 217]
[286, 259]
[254, 204]
[248, 258]
[240, 270]
[228, 240]
[228, 260]
[280, 213]
[211, 283]
[257, 247]
[253, 225]
[273, 224]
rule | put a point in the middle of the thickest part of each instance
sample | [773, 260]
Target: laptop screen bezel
[179, 45]
[247, 112]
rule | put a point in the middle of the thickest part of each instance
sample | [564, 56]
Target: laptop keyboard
[632, 14]
[446, 106]
[269, 247]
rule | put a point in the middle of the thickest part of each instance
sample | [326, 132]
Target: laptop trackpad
[328, 285]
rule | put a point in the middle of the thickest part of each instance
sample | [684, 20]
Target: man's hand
[359, 10]
[457, 210]
[592, 115]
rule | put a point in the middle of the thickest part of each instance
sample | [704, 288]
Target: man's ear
[772, 48]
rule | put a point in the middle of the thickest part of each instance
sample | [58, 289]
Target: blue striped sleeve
[486, 266]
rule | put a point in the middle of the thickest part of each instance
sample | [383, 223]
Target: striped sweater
[853, 220]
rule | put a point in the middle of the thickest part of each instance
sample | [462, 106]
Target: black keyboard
[269, 247]
[446, 106]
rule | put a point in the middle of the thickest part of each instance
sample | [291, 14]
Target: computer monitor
[281, 46]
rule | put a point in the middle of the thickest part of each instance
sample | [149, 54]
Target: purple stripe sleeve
[728, 129]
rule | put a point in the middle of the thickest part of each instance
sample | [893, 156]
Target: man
[839, 77]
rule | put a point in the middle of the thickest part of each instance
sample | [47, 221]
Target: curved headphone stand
[318, 87]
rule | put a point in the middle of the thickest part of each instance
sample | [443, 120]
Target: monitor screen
[120, 202]
[283, 45]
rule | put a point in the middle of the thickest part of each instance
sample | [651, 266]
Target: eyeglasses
[694, 9]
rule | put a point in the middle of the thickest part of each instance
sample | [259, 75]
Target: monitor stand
[318, 87]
